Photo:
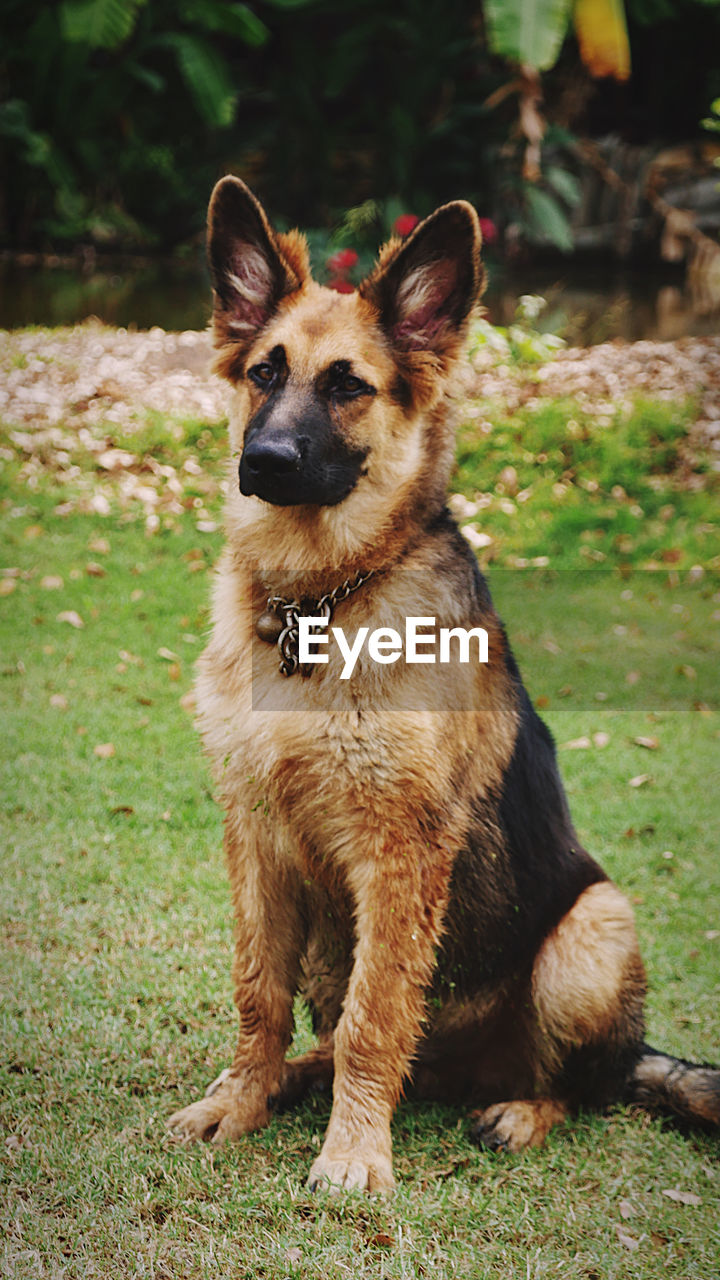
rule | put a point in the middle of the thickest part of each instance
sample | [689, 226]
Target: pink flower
[340, 285]
[342, 261]
[489, 230]
[405, 223]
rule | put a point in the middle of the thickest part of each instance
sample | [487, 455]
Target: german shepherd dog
[399, 844]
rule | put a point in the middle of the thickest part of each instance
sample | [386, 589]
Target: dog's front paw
[352, 1171]
[230, 1108]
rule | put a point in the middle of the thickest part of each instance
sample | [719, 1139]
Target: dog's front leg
[265, 972]
[400, 894]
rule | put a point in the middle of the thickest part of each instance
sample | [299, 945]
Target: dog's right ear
[252, 266]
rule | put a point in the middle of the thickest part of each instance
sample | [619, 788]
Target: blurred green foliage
[116, 116]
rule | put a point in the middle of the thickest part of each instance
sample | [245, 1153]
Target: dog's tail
[688, 1090]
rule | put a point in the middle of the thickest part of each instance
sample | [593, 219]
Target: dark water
[585, 304]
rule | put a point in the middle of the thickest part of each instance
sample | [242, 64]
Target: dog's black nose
[272, 457]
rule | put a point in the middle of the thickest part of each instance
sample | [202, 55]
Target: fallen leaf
[105, 750]
[576, 744]
[712, 934]
[33, 531]
[651, 744]
[72, 617]
[682, 1197]
[382, 1238]
[689, 672]
[94, 570]
[52, 582]
[122, 808]
[167, 654]
[632, 677]
[100, 546]
[640, 780]
[59, 701]
[626, 1209]
[625, 1238]
[126, 656]
[601, 739]
[7, 586]
[473, 536]
[115, 459]
[542, 701]
[462, 507]
[293, 1256]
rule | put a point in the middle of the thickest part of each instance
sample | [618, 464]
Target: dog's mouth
[287, 472]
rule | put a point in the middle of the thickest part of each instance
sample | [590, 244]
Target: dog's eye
[347, 386]
[262, 374]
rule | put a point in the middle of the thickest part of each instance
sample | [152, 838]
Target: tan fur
[511, 1126]
[348, 803]
[311, 793]
[589, 964]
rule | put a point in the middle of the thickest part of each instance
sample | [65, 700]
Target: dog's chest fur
[326, 760]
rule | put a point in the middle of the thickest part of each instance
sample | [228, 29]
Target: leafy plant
[519, 343]
[712, 123]
[531, 33]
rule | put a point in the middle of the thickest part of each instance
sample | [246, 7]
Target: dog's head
[336, 391]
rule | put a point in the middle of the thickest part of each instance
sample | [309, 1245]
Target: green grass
[618, 491]
[116, 965]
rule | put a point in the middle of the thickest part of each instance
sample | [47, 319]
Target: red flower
[489, 230]
[405, 223]
[342, 261]
[340, 285]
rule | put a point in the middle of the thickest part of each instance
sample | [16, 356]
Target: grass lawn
[116, 965]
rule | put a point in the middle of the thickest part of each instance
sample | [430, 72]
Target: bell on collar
[269, 627]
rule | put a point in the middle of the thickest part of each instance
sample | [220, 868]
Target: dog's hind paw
[228, 1110]
[511, 1126]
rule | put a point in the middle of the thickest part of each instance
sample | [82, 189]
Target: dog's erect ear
[252, 266]
[425, 287]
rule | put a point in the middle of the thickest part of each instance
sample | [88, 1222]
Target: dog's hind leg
[309, 1073]
[268, 944]
[587, 993]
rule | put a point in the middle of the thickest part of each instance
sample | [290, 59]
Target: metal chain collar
[291, 610]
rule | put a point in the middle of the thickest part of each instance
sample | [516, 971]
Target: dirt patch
[92, 374]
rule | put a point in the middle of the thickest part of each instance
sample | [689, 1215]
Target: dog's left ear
[425, 287]
[253, 267]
